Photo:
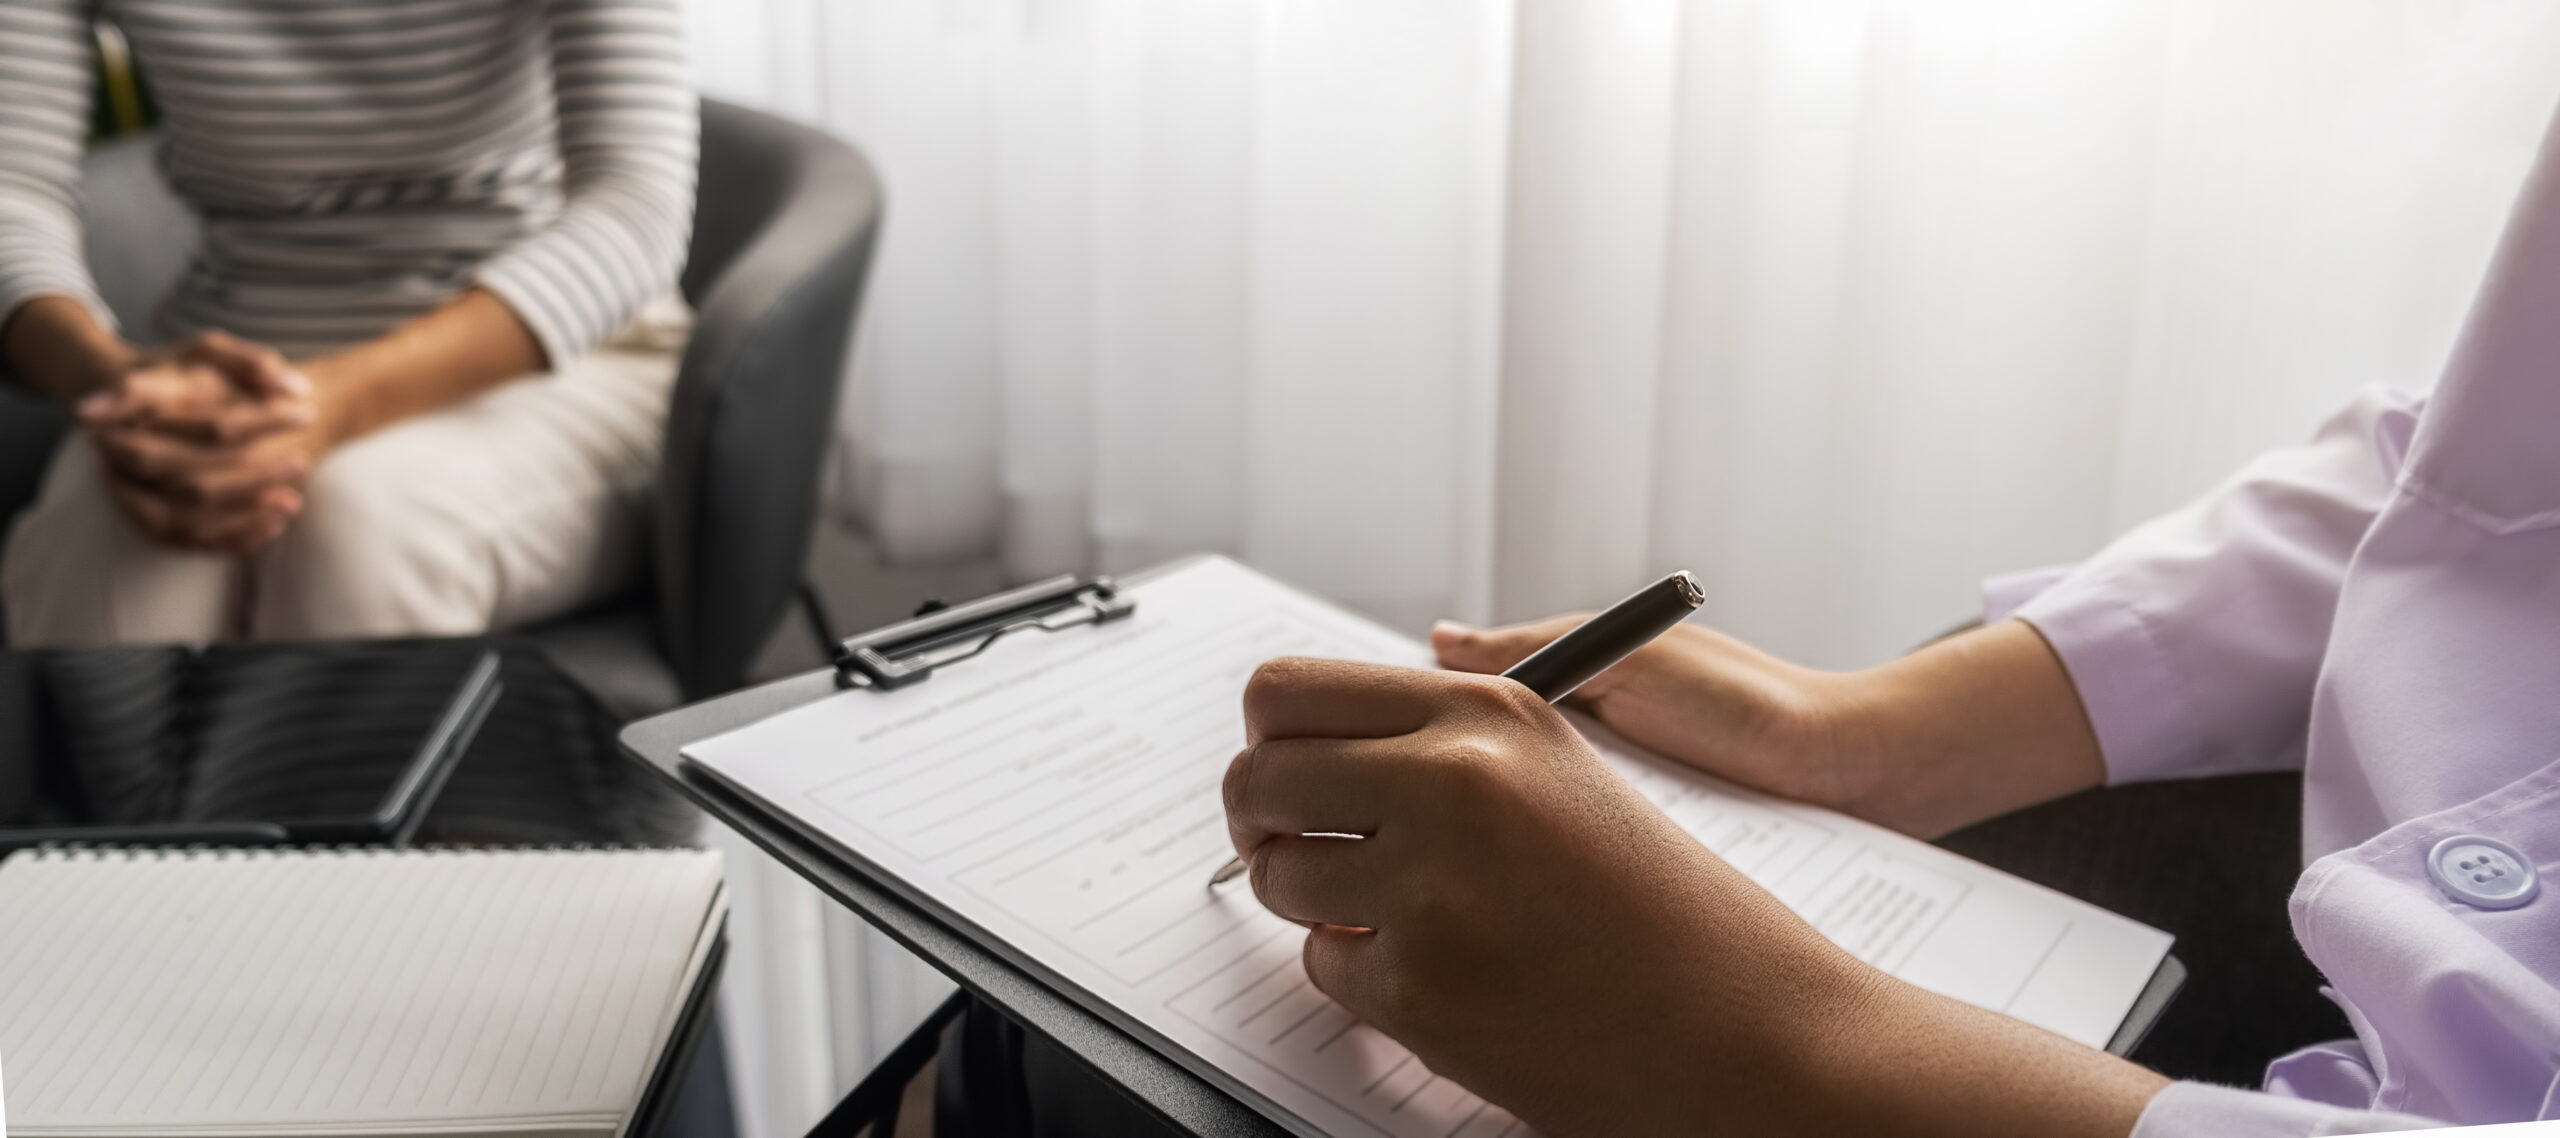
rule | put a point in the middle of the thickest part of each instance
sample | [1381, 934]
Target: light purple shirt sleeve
[2194, 639]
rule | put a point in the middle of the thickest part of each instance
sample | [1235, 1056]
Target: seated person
[414, 379]
[2379, 609]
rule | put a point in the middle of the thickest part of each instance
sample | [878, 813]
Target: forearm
[466, 347]
[47, 334]
[1713, 1007]
[629, 123]
[1969, 728]
[1906, 1061]
[59, 350]
[1964, 729]
[1804, 1039]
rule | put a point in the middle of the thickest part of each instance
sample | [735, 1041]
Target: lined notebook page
[1061, 793]
[358, 992]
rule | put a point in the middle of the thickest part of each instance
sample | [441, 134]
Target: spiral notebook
[158, 994]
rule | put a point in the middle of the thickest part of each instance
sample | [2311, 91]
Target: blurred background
[1489, 308]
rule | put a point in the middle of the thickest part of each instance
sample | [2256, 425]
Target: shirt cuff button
[2483, 872]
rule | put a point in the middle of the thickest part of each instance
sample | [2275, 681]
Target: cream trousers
[524, 502]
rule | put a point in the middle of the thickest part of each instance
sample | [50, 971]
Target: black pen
[1570, 660]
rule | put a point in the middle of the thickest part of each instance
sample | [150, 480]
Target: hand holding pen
[1571, 660]
[1506, 874]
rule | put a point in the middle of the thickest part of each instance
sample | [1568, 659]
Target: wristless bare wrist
[93, 373]
[1855, 739]
[339, 397]
[1902, 1060]
[106, 364]
[62, 352]
[1965, 729]
[1782, 1061]
[1910, 736]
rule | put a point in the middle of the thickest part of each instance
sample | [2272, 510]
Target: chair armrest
[754, 406]
[29, 431]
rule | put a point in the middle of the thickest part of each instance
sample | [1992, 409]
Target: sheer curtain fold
[1906, 258]
[1593, 120]
[1043, 222]
[2331, 180]
[1489, 308]
[1370, 220]
[1172, 154]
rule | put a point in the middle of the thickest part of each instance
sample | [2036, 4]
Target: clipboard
[907, 653]
[1182, 1098]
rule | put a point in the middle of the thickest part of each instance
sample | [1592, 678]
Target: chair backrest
[136, 233]
[784, 228]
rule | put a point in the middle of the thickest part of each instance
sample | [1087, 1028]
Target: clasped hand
[207, 444]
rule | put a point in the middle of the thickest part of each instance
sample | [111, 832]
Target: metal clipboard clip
[889, 658]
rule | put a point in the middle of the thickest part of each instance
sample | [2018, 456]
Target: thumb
[254, 369]
[1465, 649]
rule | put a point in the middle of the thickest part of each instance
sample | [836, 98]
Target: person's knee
[42, 540]
[41, 554]
[75, 573]
[374, 553]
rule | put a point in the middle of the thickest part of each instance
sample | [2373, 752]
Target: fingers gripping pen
[1571, 660]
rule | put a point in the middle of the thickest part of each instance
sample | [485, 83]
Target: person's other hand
[1703, 698]
[1515, 911]
[209, 498]
[212, 388]
[1968, 727]
[206, 445]
[1538, 932]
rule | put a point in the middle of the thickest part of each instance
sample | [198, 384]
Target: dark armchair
[783, 236]
[782, 244]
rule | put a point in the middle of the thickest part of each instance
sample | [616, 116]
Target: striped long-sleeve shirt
[359, 162]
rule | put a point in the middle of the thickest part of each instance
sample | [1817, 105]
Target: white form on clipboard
[1060, 795]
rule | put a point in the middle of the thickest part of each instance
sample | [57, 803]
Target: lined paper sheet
[344, 992]
[1060, 792]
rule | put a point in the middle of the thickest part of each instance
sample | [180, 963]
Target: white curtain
[1489, 308]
